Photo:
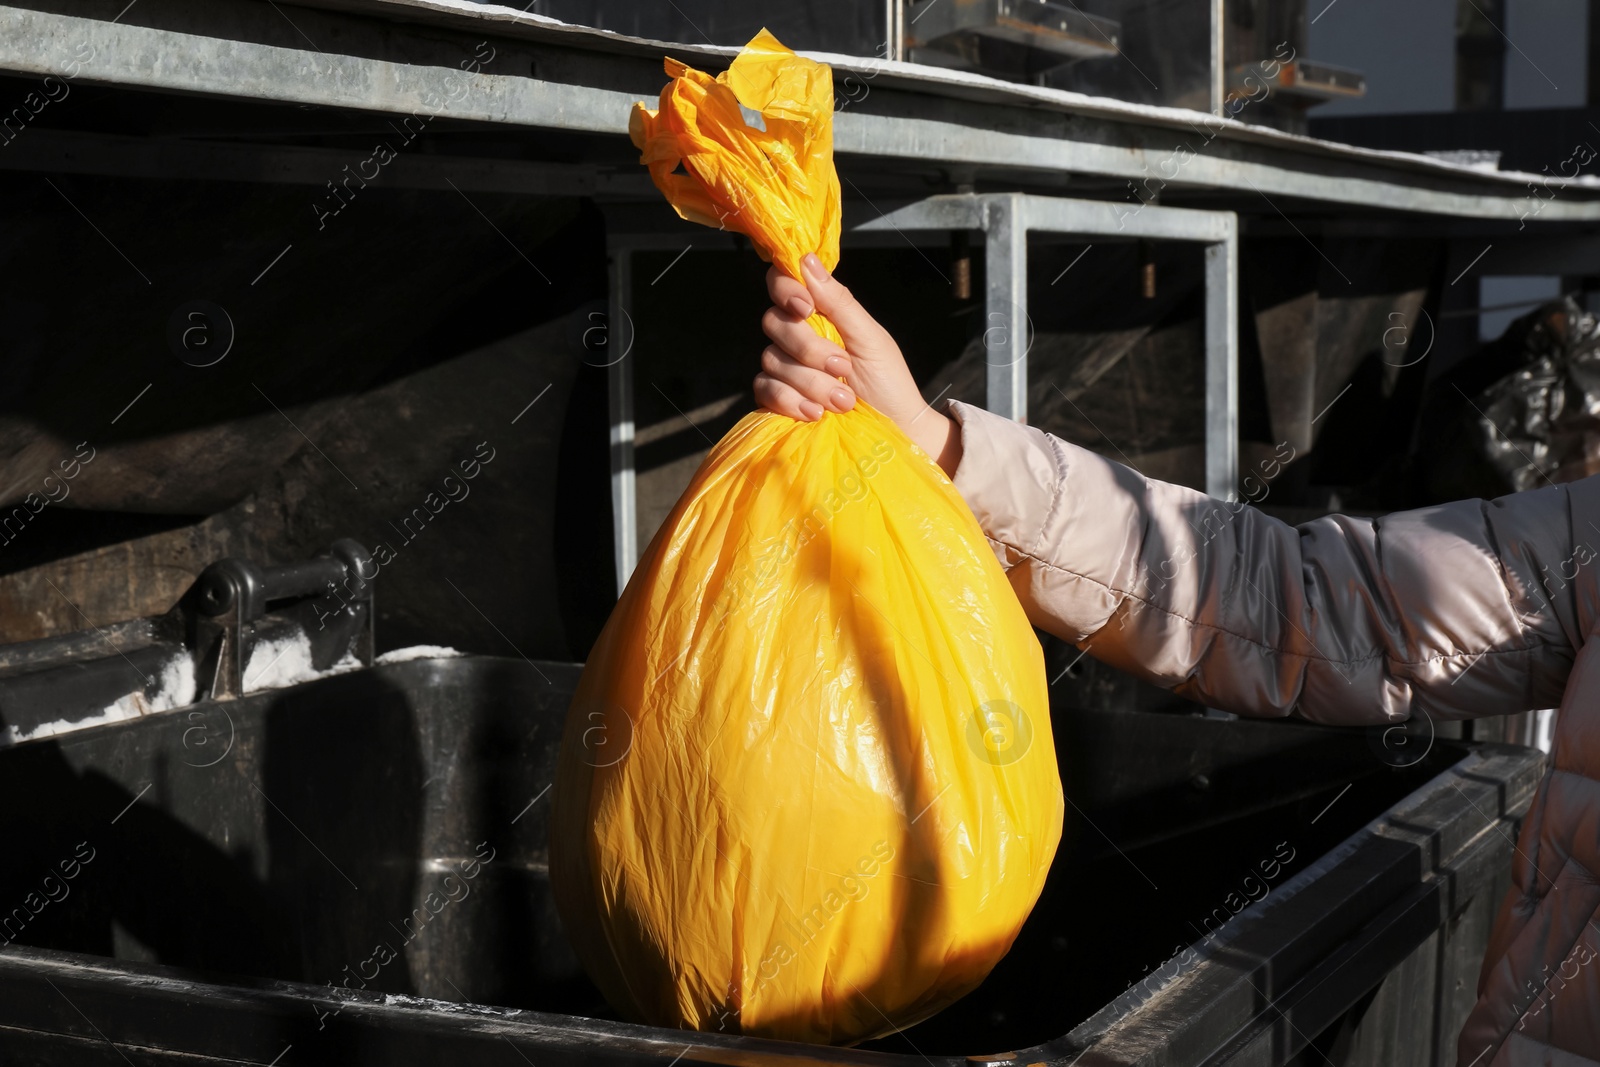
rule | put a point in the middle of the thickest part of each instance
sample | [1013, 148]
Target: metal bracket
[231, 596]
[1006, 219]
[656, 229]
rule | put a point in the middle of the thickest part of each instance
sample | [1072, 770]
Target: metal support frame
[1007, 218]
[619, 388]
[631, 231]
[1222, 367]
[1008, 332]
[386, 67]
[1219, 57]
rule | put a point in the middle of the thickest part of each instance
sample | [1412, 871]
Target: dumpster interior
[206, 843]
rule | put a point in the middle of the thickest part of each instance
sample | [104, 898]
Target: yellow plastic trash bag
[807, 787]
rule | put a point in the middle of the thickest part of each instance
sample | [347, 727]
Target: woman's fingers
[789, 293]
[814, 385]
[874, 365]
[802, 343]
[784, 399]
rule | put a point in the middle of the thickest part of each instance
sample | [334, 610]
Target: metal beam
[1222, 368]
[125, 54]
[619, 380]
[1028, 129]
[1194, 162]
[1217, 67]
[1008, 330]
[1054, 214]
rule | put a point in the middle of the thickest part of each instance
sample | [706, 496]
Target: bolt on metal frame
[1007, 218]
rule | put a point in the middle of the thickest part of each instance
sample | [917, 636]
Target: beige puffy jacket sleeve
[1465, 609]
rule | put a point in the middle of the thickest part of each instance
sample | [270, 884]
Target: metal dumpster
[353, 870]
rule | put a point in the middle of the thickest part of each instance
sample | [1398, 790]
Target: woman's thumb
[861, 332]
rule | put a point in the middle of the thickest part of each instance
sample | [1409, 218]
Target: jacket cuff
[1010, 476]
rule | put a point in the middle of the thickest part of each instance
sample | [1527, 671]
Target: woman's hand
[800, 371]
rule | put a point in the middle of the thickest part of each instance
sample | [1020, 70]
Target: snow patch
[122, 709]
[279, 662]
[454, 1007]
[177, 684]
[1471, 158]
[175, 687]
[403, 655]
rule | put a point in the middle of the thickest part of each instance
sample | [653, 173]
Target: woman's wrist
[936, 434]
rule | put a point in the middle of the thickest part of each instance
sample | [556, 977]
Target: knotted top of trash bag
[755, 146]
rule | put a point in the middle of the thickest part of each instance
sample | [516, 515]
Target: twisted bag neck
[825, 327]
